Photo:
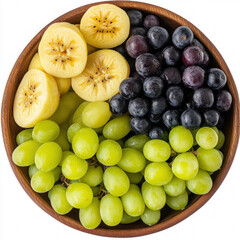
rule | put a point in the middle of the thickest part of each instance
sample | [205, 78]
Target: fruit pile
[120, 148]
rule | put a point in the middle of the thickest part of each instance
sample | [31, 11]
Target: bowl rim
[201, 200]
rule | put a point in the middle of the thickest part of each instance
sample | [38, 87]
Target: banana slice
[105, 26]
[36, 99]
[100, 80]
[64, 84]
[35, 63]
[63, 50]
[90, 48]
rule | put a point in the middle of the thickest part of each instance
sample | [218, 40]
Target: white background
[20, 217]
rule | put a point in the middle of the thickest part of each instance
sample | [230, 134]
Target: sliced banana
[100, 80]
[90, 48]
[36, 99]
[35, 63]
[63, 50]
[105, 26]
[64, 84]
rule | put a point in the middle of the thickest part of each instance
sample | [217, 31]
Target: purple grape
[158, 105]
[193, 55]
[148, 65]
[171, 75]
[150, 21]
[196, 43]
[153, 87]
[136, 45]
[130, 88]
[137, 76]
[171, 118]
[182, 37]
[223, 100]
[191, 119]
[158, 132]
[193, 77]
[138, 31]
[138, 107]
[216, 78]
[157, 37]
[171, 56]
[211, 117]
[203, 98]
[121, 49]
[118, 105]
[140, 125]
[175, 96]
[135, 17]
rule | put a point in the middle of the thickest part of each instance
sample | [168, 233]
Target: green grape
[76, 180]
[111, 210]
[79, 195]
[207, 138]
[96, 114]
[194, 132]
[24, 154]
[45, 131]
[132, 201]
[93, 176]
[77, 116]
[158, 174]
[117, 128]
[42, 181]
[201, 183]
[179, 202]
[116, 181]
[64, 155]
[74, 167]
[153, 196]
[157, 150]
[95, 190]
[101, 138]
[126, 219]
[90, 216]
[31, 170]
[85, 143]
[109, 152]
[185, 166]
[180, 139]
[209, 159]
[221, 140]
[137, 142]
[121, 143]
[58, 200]
[73, 129]
[216, 130]
[135, 178]
[48, 156]
[67, 105]
[132, 160]
[175, 187]
[98, 130]
[220, 153]
[24, 136]
[62, 140]
[150, 217]
[57, 173]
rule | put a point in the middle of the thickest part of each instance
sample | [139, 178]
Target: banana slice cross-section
[63, 50]
[100, 80]
[36, 99]
[105, 26]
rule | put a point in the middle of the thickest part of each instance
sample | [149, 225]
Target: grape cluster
[171, 83]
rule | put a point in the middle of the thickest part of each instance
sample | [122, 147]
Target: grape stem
[65, 182]
[102, 192]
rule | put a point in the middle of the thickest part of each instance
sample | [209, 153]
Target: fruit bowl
[169, 217]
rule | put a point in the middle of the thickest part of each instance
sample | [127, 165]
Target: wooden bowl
[169, 217]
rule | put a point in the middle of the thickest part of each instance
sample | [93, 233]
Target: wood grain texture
[169, 217]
